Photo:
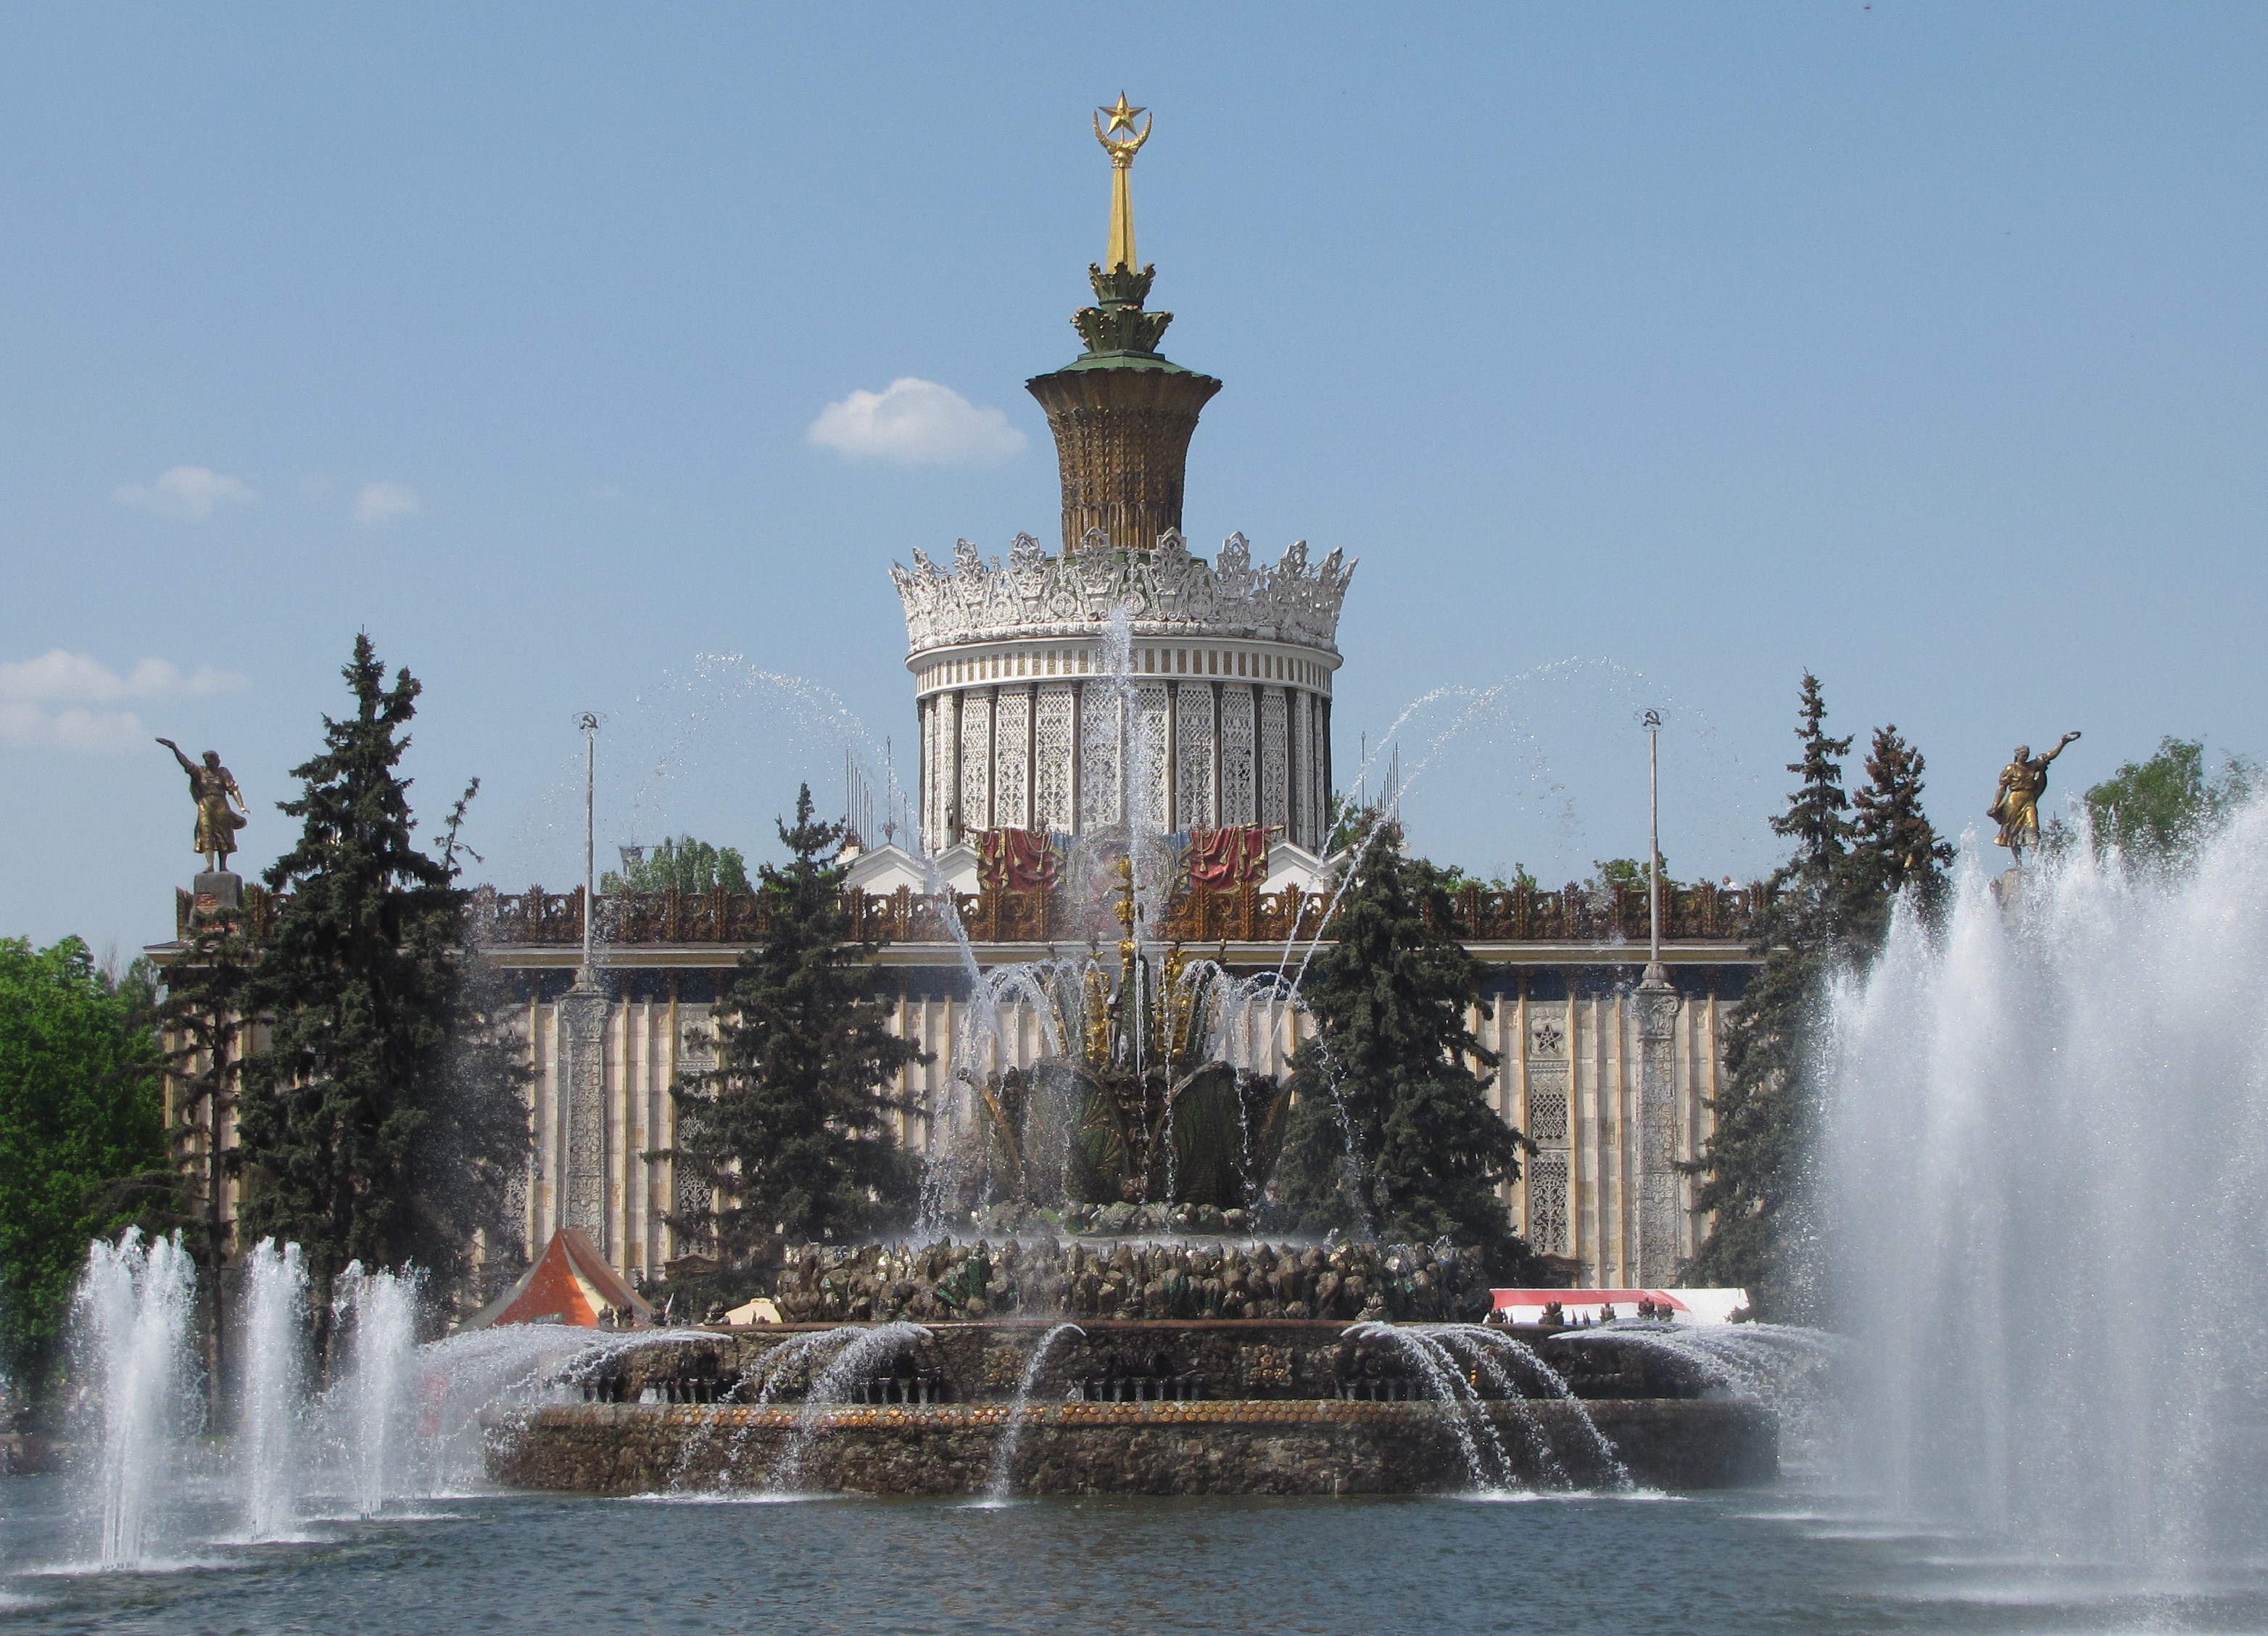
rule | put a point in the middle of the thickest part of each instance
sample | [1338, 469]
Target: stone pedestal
[1656, 1261]
[216, 891]
[583, 1091]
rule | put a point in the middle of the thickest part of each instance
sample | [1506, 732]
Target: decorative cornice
[1168, 591]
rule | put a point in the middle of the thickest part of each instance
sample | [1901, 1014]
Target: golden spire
[1121, 150]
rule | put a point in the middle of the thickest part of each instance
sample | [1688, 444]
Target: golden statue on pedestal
[2017, 803]
[213, 788]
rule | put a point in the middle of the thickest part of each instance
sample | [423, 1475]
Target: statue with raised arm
[2017, 803]
[213, 788]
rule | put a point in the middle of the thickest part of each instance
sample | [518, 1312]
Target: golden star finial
[1122, 116]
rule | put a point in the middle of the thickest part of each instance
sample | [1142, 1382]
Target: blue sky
[1646, 354]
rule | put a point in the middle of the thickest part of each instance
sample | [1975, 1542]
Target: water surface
[568, 1565]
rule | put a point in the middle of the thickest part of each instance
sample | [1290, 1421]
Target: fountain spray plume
[2048, 1149]
[129, 1339]
[865, 1353]
[1487, 1468]
[997, 1486]
[274, 1349]
[374, 1401]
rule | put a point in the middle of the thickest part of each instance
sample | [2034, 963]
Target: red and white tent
[569, 1283]
[1684, 1306]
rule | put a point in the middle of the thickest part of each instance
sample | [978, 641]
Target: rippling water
[569, 1565]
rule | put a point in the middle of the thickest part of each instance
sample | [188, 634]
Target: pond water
[1738, 1562]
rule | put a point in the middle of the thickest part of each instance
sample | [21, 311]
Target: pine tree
[1391, 1130]
[792, 1129]
[1815, 817]
[1755, 1169]
[361, 1133]
[1894, 848]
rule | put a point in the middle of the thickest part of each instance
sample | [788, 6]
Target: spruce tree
[1391, 1131]
[1755, 1168]
[791, 1131]
[362, 1133]
[1895, 849]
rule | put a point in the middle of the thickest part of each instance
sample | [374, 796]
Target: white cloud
[915, 422]
[379, 503]
[60, 676]
[75, 728]
[46, 702]
[190, 493]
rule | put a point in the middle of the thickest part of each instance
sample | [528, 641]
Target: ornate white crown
[1168, 591]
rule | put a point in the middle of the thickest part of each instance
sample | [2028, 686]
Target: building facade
[1123, 687]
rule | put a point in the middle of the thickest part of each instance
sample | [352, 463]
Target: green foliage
[1831, 906]
[82, 1140]
[686, 864]
[1894, 848]
[1815, 817]
[1613, 872]
[792, 1127]
[384, 1121]
[2157, 811]
[1392, 1130]
[1455, 880]
[1343, 823]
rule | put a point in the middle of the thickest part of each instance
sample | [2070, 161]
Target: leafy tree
[1630, 872]
[82, 1135]
[1454, 879]
[685, 863]
[2157, 811]
[383, 1121]
[1390, 1129]
[792, 1129]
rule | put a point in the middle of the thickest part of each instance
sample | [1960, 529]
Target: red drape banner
[1222, 860]
[1020, 860]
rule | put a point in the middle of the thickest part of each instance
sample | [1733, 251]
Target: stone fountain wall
[1162, 1407]
[1287, 1446]
[1128, 1278]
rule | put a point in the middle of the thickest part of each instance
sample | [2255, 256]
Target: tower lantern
[1123, 413]
[1124, 685]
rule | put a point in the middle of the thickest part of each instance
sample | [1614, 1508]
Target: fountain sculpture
[1133, 1104]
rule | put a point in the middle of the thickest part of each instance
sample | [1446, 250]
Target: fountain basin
[1152, 1407]
[1219, 1446]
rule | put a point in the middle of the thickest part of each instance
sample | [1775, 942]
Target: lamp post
[1655, 1252]
[581, 1069]
[1652, 721]
[589, 723]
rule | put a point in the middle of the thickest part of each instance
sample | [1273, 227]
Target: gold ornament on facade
[1098, 1018]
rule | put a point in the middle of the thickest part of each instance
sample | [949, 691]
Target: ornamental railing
[1575, 913]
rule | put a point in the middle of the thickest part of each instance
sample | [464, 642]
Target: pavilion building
[1118, 685]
